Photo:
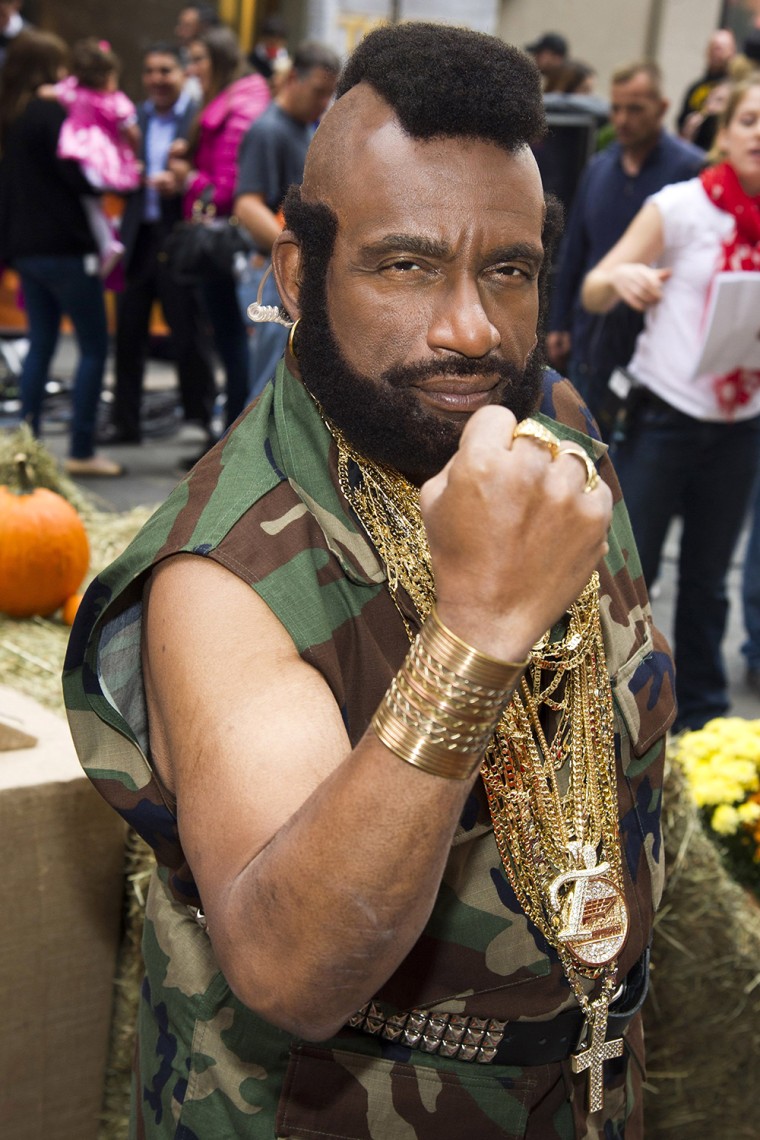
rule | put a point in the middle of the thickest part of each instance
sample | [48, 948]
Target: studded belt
[488, 1040]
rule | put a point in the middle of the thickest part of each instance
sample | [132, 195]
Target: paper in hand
[732, 327]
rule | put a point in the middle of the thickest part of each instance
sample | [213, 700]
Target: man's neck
[283, 102]
[633, 158]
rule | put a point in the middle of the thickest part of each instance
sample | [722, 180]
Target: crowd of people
[654, 218]
[68, 134]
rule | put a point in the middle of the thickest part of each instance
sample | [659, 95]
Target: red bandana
[740, 251]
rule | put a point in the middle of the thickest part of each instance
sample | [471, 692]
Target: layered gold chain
[549, 771]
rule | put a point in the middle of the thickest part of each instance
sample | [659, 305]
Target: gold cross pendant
[593, 1055]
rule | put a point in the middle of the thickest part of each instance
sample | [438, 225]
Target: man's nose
[459, 321]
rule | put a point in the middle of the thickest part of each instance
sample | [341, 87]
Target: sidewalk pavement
[153, 470]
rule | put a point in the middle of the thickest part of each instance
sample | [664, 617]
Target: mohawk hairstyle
[441, 80]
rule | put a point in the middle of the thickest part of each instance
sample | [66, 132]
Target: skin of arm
[626, 273]
[318, 865]
[263, 226]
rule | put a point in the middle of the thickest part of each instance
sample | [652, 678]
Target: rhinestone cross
[595, 1053]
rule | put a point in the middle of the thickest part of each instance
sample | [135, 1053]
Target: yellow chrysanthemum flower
[725, 820]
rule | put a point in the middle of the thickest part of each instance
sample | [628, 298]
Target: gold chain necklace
[552, 793]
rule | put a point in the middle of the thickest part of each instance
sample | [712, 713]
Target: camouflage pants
[208, 1069]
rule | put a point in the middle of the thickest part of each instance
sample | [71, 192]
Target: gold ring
[592, 475]
[532, 429]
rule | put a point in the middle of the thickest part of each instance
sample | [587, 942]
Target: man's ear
[286, 265]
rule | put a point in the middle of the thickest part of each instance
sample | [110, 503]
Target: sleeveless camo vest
[266, 504]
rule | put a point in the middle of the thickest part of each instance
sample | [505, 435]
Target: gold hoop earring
[292, 338]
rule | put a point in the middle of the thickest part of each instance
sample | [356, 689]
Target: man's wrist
[501, 638]
[443, 706]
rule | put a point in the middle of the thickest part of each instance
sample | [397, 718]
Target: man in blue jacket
[149, 216]
[612, 189]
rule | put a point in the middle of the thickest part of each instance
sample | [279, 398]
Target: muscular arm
[626, 273]
[318, 865]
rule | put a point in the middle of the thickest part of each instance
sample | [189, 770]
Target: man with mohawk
[379, 683]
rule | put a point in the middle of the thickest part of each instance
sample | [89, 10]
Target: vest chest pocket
[643, 689]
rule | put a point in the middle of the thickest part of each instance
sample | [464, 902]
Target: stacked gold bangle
[444, 703]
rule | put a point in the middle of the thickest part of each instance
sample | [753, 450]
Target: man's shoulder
[682, 152]
[272, 122]
[605, 159]
[561, 402]
[601, 167]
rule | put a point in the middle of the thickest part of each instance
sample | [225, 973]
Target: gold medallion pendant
[593, 916]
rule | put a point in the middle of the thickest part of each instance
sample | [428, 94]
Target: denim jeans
[54, 286]
[230, 339]
[751, 587]
[266, 340]
[671, 464]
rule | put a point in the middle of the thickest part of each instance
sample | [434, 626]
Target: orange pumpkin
[44, 552]
[70, 607]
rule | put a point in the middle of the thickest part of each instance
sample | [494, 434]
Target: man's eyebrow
[518, 250]
[408, 243]
[429, 247]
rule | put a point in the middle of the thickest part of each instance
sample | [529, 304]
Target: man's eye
[513, 271]
[402, 265]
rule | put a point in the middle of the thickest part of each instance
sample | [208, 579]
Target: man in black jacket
[149, 216]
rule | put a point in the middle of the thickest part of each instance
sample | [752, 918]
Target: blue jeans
[671, 464]
[751, 588]
[55, 286]
[230, 340]
[266, 340]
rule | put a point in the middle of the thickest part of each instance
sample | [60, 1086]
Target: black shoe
[112, 434]
[753, 681]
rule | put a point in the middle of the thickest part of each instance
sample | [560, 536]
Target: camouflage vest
[266, 504]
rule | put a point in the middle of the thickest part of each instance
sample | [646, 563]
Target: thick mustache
[407, 376]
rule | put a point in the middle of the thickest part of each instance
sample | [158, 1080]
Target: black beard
[383, 417]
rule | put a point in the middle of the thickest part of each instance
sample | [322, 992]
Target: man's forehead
[160, 59]
[637, 87]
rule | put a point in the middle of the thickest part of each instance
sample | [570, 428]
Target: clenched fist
[514, 534]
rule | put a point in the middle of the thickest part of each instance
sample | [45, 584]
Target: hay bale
[138, 865]
[702, 1017]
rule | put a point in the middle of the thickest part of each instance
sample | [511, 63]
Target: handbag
[205, 245]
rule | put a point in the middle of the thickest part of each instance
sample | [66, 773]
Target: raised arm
[626, 273]
[318, 865]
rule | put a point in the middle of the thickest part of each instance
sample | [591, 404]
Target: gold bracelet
[443, 705]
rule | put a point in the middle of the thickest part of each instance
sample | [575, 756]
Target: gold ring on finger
[592, 475]
[532, 429]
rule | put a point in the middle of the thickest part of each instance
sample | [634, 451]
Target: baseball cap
[549, 41]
